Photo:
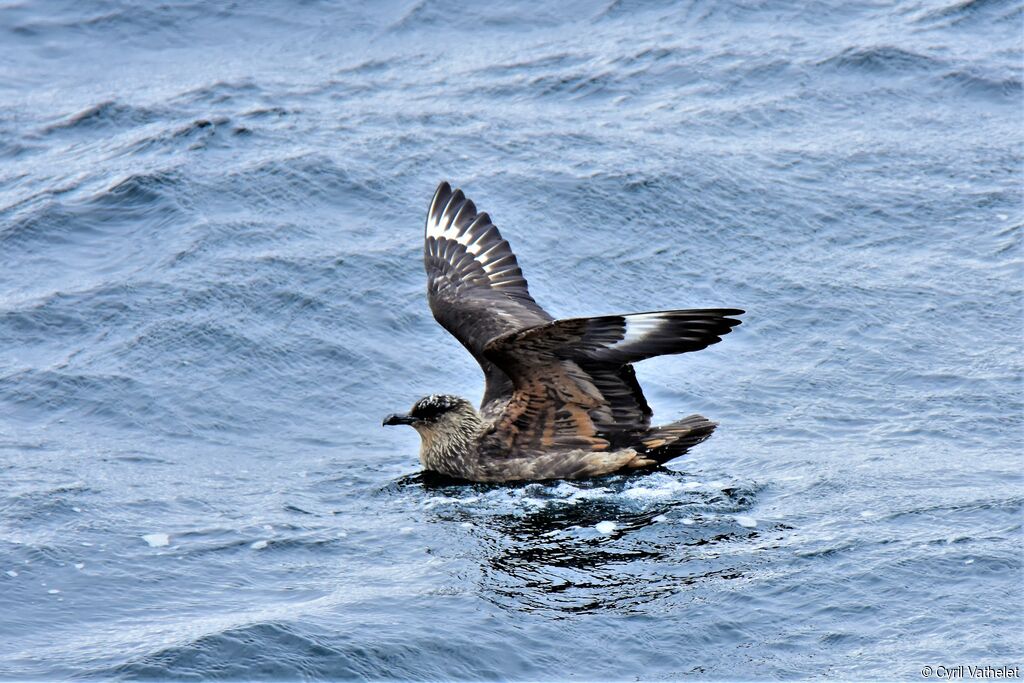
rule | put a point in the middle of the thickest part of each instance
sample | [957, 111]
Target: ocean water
[211, 291]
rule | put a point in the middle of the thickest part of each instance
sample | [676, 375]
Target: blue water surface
[211, 291]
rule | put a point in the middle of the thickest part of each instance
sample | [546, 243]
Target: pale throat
[451, 442]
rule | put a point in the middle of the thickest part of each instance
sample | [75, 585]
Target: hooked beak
[397, 420]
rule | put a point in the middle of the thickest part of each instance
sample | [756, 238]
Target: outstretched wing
[634, 337]
[475, 287]
[573, 383]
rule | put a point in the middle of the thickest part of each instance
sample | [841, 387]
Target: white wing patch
[644, 335]
[639, 326]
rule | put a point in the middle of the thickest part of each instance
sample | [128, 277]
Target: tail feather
[661, 444]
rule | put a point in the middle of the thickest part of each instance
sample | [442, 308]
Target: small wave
[881, 59]
[107, 396]
[49, 503]
[287, 650]
[139, 459]
[276, 650]
[127, 24]
[40, 322]
[140, 190]
[108, 114]
[50, 221]
[280, 184]
[197, 134]
[619, 8]
[11, 149]
[266, 113]
[219, 92]
[369, 66]
[575, 85]
[1003, 89]
[971, 11]
[530, 65]
[145, 201]
[428, 14]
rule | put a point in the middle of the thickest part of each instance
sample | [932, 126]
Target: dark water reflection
[556, 551]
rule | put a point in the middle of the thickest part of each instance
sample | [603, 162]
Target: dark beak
[397, 420]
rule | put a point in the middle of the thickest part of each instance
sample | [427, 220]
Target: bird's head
[438, 415]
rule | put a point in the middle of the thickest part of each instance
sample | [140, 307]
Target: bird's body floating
[561, 398]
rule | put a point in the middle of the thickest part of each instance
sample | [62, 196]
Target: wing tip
[731, 316]
[440, 200]
[443, 187]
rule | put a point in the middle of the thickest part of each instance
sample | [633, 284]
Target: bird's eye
[427, 411]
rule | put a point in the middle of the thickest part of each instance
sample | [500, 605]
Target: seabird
[561, 399]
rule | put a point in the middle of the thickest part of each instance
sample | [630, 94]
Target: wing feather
[580, 368]
[475, 287]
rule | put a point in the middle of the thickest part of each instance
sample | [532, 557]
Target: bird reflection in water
[596, 545]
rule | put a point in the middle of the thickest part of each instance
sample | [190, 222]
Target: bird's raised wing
[475, 287]
[573, 385]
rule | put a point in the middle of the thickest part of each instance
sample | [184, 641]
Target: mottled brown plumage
[561, 398]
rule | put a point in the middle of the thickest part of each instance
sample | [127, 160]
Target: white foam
[156, 540]
[970, 561]
[692, 485]
[259, 545]
[564, 494]
[667, 488]
[77, 509]
[79, 565]
[659, 518]
[565, 490]
[605, 527]
[11, 573]
[53, 591]
[867, 513]
[588, 494]
[439, 500]
[406, 530]
[747, 522]
[466, 525]
[645, 492]
[687, 521]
